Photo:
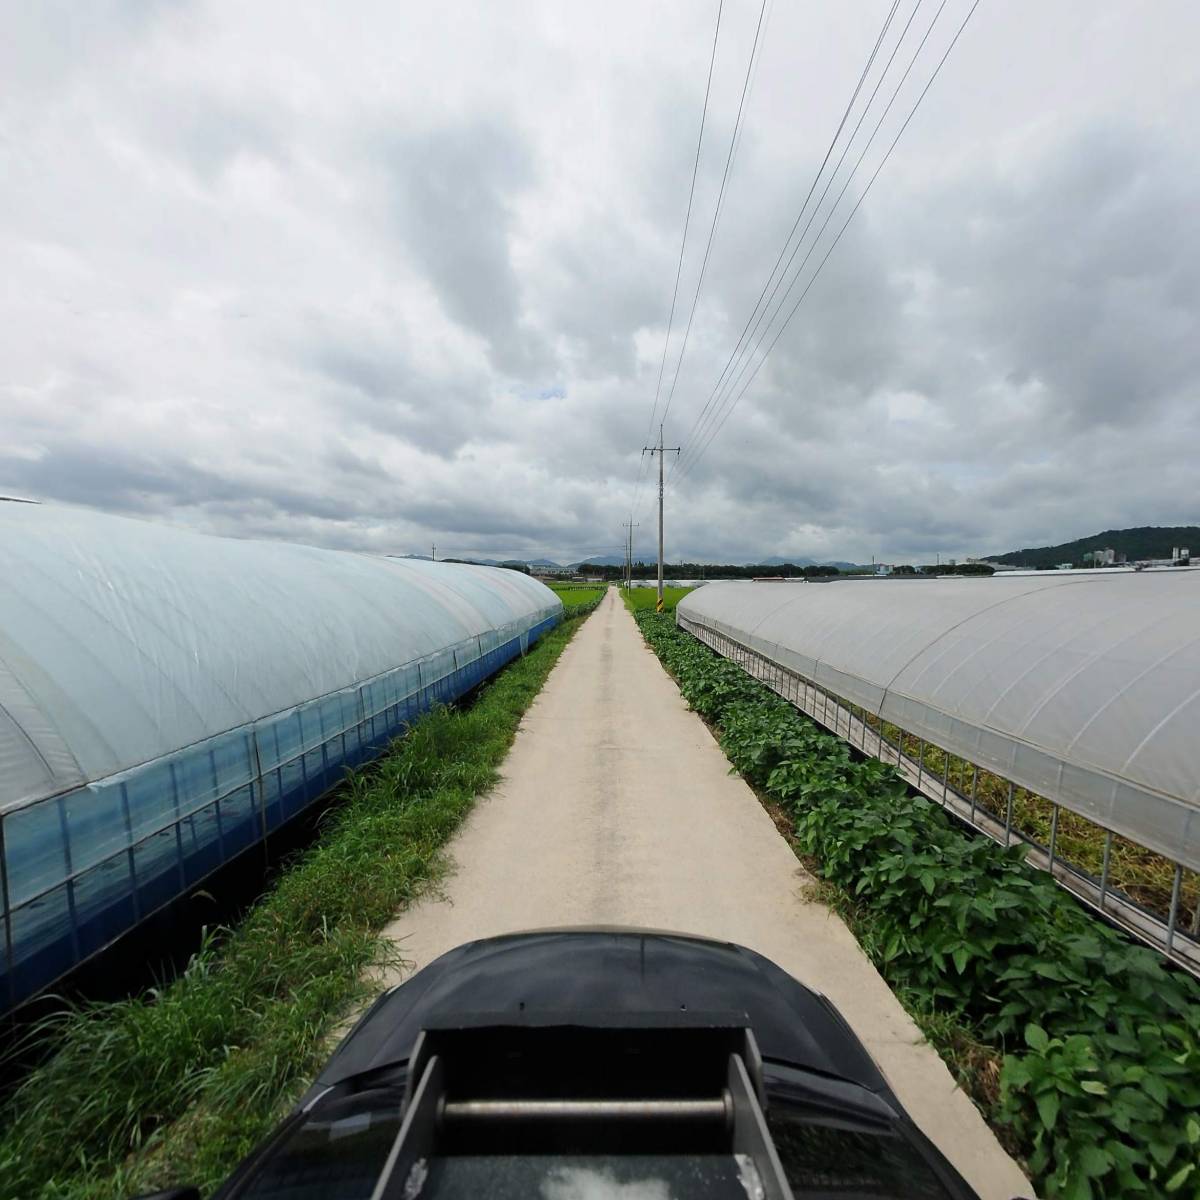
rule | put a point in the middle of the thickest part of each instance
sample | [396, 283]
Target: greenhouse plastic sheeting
[1082, 688]
[167, 698]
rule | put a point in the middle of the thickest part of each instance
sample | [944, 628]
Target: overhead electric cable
[799, 217]
[733, 140]
[842, 230]
[732, 382]
[682, 245]
[756, 64]
[744, 351]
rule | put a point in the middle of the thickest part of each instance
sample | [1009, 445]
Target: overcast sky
[380, 275]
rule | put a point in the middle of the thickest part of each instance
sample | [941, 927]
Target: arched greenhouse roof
[1084, 689]
[122, 641]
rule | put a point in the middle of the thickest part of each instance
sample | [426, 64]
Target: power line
[799, 216]
[756, 63]
[723, 390]
[682, 245]
[842, 230]
[733, 380]
[733, 140]
[735, 368]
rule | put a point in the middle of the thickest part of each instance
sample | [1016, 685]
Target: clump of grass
[178, 1085]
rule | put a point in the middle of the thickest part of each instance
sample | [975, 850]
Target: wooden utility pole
[662, 451]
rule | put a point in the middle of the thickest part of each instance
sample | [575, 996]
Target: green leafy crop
[1101, 1078]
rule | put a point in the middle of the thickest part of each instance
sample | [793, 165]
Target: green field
[575, 595]
[642, 599]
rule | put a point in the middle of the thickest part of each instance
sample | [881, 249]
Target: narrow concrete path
[616, 808]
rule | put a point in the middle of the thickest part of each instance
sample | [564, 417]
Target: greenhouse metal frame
[168, 699]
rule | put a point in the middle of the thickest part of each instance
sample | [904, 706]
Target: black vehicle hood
[569, 976]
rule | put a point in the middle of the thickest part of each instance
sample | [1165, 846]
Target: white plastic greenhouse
[169, 698]
[1084, 689]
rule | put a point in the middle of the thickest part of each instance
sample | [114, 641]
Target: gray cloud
[379, 387]
[1085, 282]
[374, 284]
[454, 188]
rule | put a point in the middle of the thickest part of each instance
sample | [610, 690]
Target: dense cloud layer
[400, 277]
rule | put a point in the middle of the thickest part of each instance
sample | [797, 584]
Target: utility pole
[662, 451]
[631, 526]
[433, 553]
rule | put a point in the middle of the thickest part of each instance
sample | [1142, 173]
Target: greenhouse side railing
[1167, 932]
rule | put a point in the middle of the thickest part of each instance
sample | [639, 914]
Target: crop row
[1145, 877]
[1100, 1084]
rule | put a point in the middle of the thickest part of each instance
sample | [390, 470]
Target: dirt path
[616, 808]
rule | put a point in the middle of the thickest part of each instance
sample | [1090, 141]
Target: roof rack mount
[508, 1107]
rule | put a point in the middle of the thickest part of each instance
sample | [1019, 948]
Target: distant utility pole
[662, 451]
[433, 553]
[631, 526]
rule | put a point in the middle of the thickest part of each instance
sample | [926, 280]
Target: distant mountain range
[485, 562]
[776, 561]
[607, 560]
[773, 560]
[1144, 541]
[618, 560]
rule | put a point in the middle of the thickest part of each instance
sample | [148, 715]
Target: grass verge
[1096, 1040]
[178, 1085]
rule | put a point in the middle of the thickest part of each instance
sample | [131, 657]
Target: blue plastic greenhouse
[169, 698]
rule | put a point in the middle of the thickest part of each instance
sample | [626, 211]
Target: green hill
[1146, 541]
